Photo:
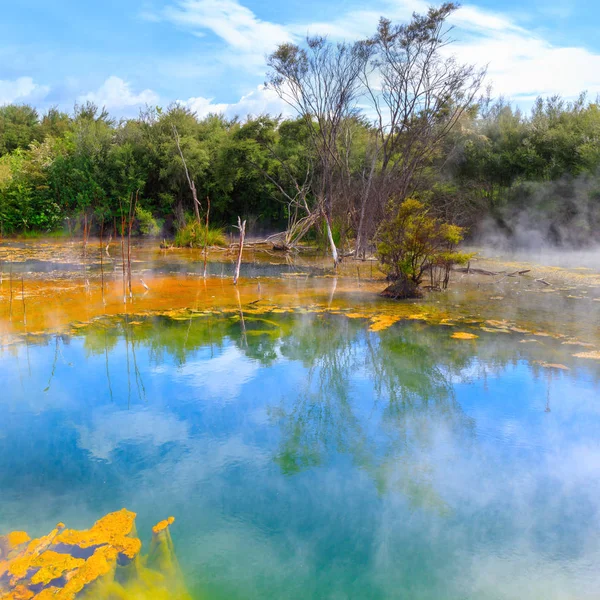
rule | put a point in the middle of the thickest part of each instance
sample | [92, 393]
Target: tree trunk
[360, 235]
[242, 228]
[334, 251]
[402, 289]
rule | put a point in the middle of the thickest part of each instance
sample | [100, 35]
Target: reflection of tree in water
[322, 419]
[382, 399]
[389, 432]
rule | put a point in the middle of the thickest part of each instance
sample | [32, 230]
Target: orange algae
[19, 593]
[112, 529]
[463, 335]
[163, 525]
[16, 538]
[52, 565]
[381, 322]
[49, 568]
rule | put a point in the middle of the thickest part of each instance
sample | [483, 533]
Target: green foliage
[537, 171]
[411, 242]
[195, 235]
[147, 223]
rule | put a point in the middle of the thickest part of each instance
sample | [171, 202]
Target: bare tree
[322, 84]
[189, 179]
[418, 93]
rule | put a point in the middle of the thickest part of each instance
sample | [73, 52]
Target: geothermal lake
[310, 439]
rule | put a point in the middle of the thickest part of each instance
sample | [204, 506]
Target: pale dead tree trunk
[190, 181]
[123, 253]
[206, 233]
[242, 227]
[132, 208]
[334, 252]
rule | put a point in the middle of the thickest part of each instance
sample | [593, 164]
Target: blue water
[307, 457]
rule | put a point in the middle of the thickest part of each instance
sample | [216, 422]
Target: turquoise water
[304, 456]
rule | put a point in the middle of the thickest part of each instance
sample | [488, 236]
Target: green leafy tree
[411, 243]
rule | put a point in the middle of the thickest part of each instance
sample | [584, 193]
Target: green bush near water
[195, 235]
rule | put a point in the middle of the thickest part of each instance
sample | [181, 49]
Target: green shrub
[148, 224]
[193, 234]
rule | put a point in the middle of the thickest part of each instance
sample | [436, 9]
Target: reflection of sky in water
[336, 464]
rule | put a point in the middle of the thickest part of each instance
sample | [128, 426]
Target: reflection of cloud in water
[220, 377]
[109, 429]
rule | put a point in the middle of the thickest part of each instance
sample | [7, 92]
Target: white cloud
[117, 93]
[228, 373]
[22, 89]
[259, 101]
[235, 24]
[522, 64]
[107, 431]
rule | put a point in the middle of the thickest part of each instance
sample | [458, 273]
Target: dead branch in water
[102, 261]
[470, 270]
[123, 253]
[132, 208]
[206, 233]
[544, 282]
[242, 227]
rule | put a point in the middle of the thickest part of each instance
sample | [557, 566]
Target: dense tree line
[375, 123]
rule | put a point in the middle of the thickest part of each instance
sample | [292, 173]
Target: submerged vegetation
[101, 562]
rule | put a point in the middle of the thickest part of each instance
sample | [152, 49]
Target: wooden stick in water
[242, 227]
[123, 255]
[206, 233]
[102, 261]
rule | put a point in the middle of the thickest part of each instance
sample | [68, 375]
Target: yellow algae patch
[162, 525]
[112, 529]
[381, 322]
[102, 562]
[52, 565]
[16, 538]
[594, 355]
[19, 565]
[48, 568]
[19, 593]
[494, 330]
[463, 335]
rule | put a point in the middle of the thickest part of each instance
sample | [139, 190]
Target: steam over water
[305, 456]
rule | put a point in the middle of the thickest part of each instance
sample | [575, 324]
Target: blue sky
[210, 53]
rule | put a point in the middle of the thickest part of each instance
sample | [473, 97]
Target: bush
[148, 224]
[412, 243]
[193, 234]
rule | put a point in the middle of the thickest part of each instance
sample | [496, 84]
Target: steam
[563, 214]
